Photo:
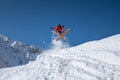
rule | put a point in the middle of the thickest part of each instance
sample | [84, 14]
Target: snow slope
[14, 53]
[94, 60]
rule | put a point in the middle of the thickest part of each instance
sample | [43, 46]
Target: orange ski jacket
[58, 28]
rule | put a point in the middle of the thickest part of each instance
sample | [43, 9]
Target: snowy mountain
[14, 53]
[94, 60]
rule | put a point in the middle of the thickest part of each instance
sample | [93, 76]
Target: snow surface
[94, 60]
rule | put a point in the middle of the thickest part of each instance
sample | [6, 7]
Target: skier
[58, 31]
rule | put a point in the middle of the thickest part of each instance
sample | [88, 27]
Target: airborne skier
[58, 31]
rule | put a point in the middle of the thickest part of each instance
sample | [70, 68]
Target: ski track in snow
[95, 60]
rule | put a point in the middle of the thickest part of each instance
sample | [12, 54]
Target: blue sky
[29, 21]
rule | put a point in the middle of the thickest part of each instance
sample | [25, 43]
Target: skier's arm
[62, 26]
[53, 28]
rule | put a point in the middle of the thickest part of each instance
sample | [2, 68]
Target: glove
[51, 28]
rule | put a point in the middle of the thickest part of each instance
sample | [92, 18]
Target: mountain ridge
[14, 53]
